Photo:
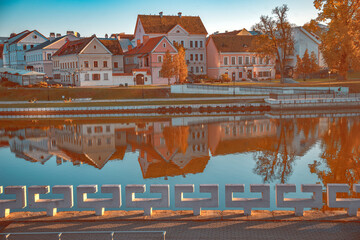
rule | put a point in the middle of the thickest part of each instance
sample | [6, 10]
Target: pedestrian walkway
[211, 225]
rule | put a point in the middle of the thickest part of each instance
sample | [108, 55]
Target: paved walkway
[183, 225]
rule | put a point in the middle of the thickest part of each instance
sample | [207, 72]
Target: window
[89, 142]
[240, 75]
[24, 47]
[267, 61]
[48, 56]
[95, 64]
[87, 77]
[89, 130]
[260, 60]
[116, 64]
[225, 60]
[196, 44]
[201, 57]
[56, 76]
[86, 64]
[106, 76]
[191, 44]
[105, 64]
[240, 61]
[96, 77]
[201, 44]
[107, 128]
[159, 58]
[197, 69]
[98, 129]
[247, 60]
[164, 45]
[182, 43]
[99, 141]
[233, 60]
[196, 57]
[253, 60]
[192, 69]
[191, 57]
[94, 46]
[202, 69]
[76, 64]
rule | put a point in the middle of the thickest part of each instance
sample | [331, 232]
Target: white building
[303, 40]
[39, 58]
[88, 62]
[17, 44]
[188, 31]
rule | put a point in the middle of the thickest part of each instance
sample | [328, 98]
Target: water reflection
[177, 147]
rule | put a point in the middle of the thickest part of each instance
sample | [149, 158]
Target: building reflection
[166, 148]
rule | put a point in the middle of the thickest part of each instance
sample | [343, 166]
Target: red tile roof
[145, 47]
[73, 47]
[162, 25]
[113, 46]
[233, 43]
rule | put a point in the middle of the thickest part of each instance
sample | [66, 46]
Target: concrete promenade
[183, 225]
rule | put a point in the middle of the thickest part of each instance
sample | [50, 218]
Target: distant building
[22, 77]
[148, 58]
[233, 55]
[88, 62]
[188, 31]
[39, 58]
[17, 44]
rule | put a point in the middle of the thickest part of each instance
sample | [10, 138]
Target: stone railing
[196, 204]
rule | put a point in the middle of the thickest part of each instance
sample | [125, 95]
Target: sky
[99, 17]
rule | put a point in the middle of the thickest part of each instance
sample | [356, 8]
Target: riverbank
[230, 224]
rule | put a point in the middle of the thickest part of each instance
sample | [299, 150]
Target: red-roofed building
[17, 44]
[188, 31]
[88, 62]
[233, 55]
[148, 57]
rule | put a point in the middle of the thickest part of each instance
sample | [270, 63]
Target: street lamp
[245, 72]
[329, 79]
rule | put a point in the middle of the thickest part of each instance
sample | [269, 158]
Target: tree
[314, 66]
[306, 63]
[341, 43]
[299, 66]
[167, 68]
[276, 39]
[181, 68]
[313, 27]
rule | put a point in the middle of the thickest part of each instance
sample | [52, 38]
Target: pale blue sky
[108, 16]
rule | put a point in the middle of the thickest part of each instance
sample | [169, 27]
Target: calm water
[218, 150]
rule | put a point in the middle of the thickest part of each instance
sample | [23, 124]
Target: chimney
[58, 35]
[118, 37]
[106, 35]
[145, 38]
[138, 42]
[69, 32]
[129, 47]
[179, 14]
[77, 34]
[160, 14]
[52, 36]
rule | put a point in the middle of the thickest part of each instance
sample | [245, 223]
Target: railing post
[59, 235]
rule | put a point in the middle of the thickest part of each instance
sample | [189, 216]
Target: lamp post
[246, 76]
[329, 79]
[270, 73]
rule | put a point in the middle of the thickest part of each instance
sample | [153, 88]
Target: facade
[187, 31]
[88, 62]
[304, 40]
[17, 44]
[233, 55]
[39, 58]
[148, 57]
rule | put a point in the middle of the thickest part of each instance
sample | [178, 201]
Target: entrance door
[249, 74]
[233, 76]
[139, 79]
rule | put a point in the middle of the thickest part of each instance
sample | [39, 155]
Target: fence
[85, 235]
[196, 204]
[314, 96]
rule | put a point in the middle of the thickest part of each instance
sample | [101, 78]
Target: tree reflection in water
[275, 157]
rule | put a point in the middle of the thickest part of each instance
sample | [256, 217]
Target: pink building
[148, 57]
[233, 55]
[188, 31]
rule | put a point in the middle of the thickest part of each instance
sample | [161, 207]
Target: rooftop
[233, 43]
[163, 24]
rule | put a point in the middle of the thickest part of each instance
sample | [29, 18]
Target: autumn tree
[176, 138]
[314, 65]
[181, 68]
[306, 65]
[299, 66]
[167, 68]
[341, 43]
[276, 39]
[313, 27]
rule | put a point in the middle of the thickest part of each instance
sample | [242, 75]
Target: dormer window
[164, 44]
[35, 37]
[177, 31]
[94, 46]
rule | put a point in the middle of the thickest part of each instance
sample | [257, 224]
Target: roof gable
[95, 46]
[73, 47]
[113, 45]
[164, 45]
[148, 46]
[178, 30]
[31, 37]
[163, 24]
